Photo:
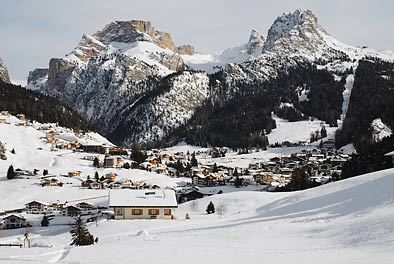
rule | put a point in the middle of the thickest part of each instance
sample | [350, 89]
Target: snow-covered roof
[390, 153]
[142, 198]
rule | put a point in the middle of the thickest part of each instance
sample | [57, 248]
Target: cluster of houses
[125, 204]
[322, 166]
[17, 218]
[23, 121]
[110, 181]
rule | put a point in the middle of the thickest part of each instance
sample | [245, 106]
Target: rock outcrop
[186, 50]
[132, 31]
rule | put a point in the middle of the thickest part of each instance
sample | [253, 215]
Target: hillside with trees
[39, 107]
[372, 97]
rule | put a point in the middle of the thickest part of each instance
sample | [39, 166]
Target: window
[136, 211]
[153, 211]
[167, 211]
[119, 211]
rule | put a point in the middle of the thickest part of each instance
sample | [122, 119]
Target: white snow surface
[344, 222]
[380, 130]
[297, 131]
[349, 221]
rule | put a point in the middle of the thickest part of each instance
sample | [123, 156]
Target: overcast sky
[32, 32]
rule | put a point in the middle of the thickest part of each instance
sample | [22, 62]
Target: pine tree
[137, 154]
[235, 173]
[80, 235]
[215, 168]
[238, 182]
[45, 172]
[10, 172]
[96, 176]
[193, 160]
[210, 208]
[96, 162]
[45, 221]
[13, 151]
[323, 132]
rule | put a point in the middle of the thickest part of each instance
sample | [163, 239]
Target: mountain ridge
[111, 70]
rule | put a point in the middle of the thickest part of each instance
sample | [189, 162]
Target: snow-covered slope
[32, 151]
[380, 130]
[213, 63]
[343, 222]
[154, 117]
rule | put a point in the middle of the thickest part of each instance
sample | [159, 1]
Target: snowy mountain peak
[4, 72]
[256, 41]
[132, 31]
[294, 33]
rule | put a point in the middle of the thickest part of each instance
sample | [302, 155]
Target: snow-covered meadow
[343, 222]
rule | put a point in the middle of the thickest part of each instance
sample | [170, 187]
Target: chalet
[189, 195]
[111, 176]
[71, 145]
[94, 148]
[207, 180]
[74, 173]
[21, 117]
[116, 151]
[286, 171]
[95, 185]
[87, 183]
[143, 204]
[160, 169]
[119, 185]
[72, 211]
[153, 160]
[5, 113]
[268, 177]
[20, 172]
[36, 207]
[85, 205]
[57, 206]
[112, 162]
[3, 120]
[51, 182]
[248, 180]
[14, 221]
[199, 180]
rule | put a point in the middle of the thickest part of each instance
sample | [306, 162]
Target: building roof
[142, 198]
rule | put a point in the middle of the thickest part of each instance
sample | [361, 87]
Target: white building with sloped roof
[143, 204]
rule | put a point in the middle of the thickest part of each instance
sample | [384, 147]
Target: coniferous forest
[372, 97]
[39, 107]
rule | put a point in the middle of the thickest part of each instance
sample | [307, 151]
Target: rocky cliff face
[110, 72]
[132, 31]
[186, 50]
[4, 72]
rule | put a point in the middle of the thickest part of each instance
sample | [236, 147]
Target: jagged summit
[4, 72]
[297, 32]
[256, 41]
[132, 31]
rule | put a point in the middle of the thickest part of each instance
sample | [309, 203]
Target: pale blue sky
[35, 31]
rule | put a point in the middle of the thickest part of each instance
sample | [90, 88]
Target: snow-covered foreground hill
[344, 222]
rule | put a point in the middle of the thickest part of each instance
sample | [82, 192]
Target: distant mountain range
[133, 83]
